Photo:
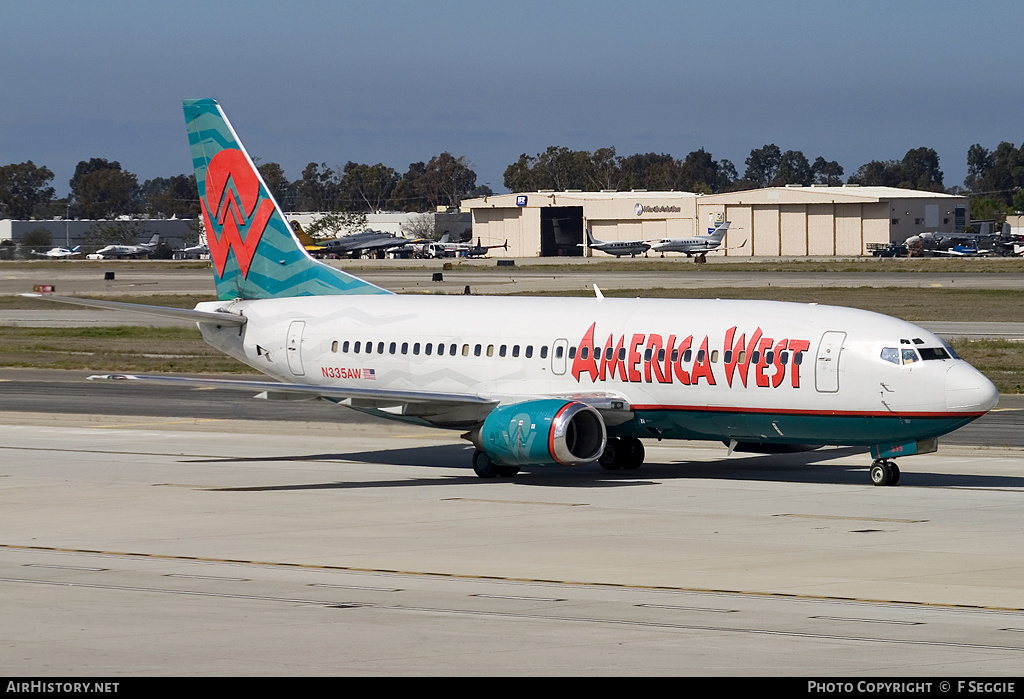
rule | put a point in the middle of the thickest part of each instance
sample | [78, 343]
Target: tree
[22, 187]
[279, 186]
[318, 189]
[115, 233]
[827, 172]
[37, 240]
[101, 189]
[793, 169]
[335, 224]
[368, 187]
[763, 165]
[443, 181]
[163, 197]
[920, 170]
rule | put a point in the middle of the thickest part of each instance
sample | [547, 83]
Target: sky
[397, 82]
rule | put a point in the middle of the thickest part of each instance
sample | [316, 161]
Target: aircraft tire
[884, 473]
[508, 471]
[634, 453]
[611, 457]
[483, 466]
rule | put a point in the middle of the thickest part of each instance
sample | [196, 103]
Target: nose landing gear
[884, 472]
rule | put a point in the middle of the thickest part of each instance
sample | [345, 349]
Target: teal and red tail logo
[234, 210]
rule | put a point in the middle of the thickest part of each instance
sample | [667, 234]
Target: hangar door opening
[561, 231]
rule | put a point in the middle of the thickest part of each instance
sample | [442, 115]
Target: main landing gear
[485, 468]
[622, 453]
[884, 472]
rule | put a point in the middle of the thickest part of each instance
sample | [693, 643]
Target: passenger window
[687, 355]
[714, 356]
[501, 350]
[891, 354]
[429, 348]
[452, 347]
[558, 352]
[355, 348]
[661, 355]
[380, 348]
[584, 352]
[515, 350]
[648, 353]
[622, 354]
[405, 348]
[416, 348]
[609, 353]
[344, 346]
[529, 351]
[334, 346]
[490, 350]
[544, 352]
[728, 356]
[476, 351]
[392, 347]
[784, 358]
[465, 350]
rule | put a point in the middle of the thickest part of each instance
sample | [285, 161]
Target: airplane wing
[297, 390]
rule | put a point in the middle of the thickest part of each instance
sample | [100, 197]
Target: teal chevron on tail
[255, 254]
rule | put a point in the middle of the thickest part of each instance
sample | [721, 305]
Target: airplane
[59, 253]
[199, 249]
[535, 383]
[617, 247]
[372, 242]
[305, 238]
[968, 250]
[128, 250]
[699, 245]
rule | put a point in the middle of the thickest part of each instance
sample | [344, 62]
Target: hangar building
[776, 221]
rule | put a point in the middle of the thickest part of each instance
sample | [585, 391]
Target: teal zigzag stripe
[281, 267]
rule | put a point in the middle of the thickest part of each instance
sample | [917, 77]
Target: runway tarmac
[141, 541]
[164, 531]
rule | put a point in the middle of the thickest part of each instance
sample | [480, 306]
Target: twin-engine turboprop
[534, 382]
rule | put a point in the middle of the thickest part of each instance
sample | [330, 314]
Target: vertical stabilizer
[254, 252]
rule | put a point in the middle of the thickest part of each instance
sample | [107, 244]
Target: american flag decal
[369, 374]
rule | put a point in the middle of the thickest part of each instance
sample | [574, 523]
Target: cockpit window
[909, 356]
[933, 353]
[950, 350]
[891, 354]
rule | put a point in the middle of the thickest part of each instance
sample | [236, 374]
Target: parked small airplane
[129, 250]
[968, 250]
[616, 247]
[699, 245]
[59, 253]
[536, 383]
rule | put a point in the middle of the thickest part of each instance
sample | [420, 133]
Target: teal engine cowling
[539, 432]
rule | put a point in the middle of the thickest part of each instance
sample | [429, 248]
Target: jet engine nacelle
[540, 432]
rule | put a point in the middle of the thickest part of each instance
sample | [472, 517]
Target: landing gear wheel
[634, 453]
[483, 466]
[622, 453]
[508, 471]
[884, 473]
[611, 457]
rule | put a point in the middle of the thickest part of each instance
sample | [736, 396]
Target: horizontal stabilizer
[184, 314]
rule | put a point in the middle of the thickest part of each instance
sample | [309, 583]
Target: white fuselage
[690, 359]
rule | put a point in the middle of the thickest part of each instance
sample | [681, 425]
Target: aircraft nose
[967, 389]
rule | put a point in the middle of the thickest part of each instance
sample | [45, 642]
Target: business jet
[534, 383]
[698, 246]
[120, 251]
[616, 247]
[59, 253]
